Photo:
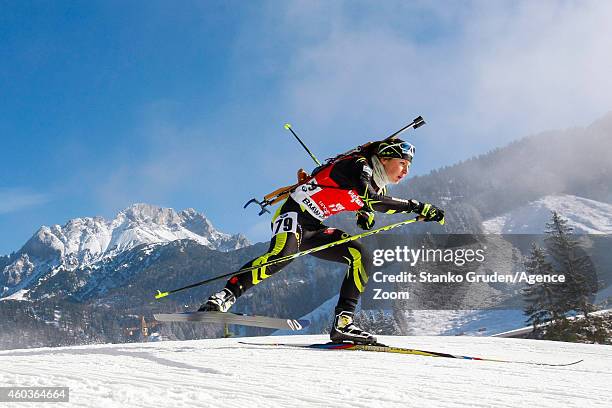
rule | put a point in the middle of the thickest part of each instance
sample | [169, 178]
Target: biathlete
[352, 182]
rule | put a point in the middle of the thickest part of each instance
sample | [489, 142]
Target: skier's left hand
[430, 212]
[365, 220]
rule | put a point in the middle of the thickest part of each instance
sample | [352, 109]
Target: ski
[234, 318]
[400, 350]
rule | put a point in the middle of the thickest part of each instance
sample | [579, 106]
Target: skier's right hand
[365, 220]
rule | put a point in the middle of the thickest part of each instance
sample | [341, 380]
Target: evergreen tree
[552, 303]
[542, 298]
[570, 260]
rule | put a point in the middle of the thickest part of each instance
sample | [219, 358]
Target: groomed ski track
[222, 372]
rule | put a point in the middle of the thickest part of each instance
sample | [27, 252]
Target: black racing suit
[305, 229]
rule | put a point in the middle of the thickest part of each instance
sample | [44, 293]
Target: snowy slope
[430, 322]
[528, 329]
[462, 322]
[584, 215]
[221, 372]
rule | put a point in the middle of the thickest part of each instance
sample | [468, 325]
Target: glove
[429, 212]
[365, 220]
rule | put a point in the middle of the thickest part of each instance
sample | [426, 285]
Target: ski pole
[289, 128]
[161, 294]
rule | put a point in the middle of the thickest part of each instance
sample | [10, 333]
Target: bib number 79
[285, 223]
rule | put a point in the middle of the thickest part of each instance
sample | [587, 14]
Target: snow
[221, 372]
[19, 295]
[430, 322]
[584, 215]
[528, 329]
[463, 322]
[21, 274]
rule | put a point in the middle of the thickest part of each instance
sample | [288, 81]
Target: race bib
[286, 222]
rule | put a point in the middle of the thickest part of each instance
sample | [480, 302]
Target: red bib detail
[323, 202]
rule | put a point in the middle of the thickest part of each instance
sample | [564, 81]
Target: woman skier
[352, 182]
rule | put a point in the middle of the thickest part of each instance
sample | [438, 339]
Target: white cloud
[15, 199]
[545, 63]
[482, 73]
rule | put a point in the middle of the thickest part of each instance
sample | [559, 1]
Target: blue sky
[182, 104]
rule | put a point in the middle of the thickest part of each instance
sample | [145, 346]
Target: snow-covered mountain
[584, 215]
[83, 242]
[90, 238]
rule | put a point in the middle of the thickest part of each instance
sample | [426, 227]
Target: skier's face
[396, 169]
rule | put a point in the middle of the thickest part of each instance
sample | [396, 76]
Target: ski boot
[345, 330]
[219, 302]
